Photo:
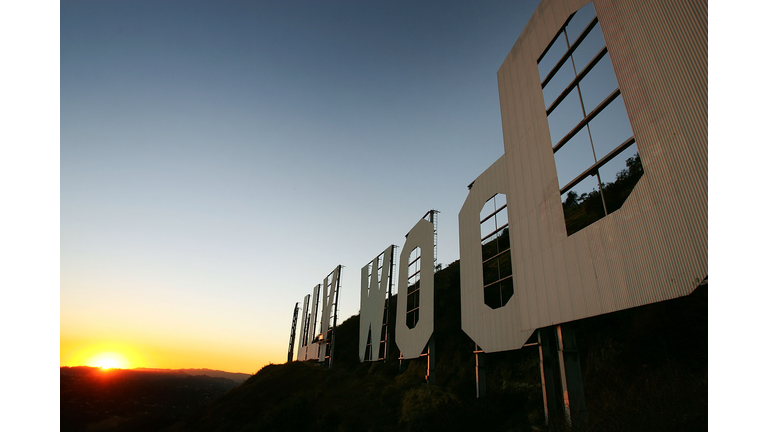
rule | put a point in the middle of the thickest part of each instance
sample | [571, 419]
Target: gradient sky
[219, 159]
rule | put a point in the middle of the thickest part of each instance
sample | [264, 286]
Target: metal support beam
[335, 316]
[575, 407]
[549, 387]
[431, 360]
[480, 373]
[388, 303]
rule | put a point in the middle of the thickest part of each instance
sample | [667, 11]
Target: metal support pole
[431, 360]
[335, 316]
[543, 378]
[552, 407]
[480, 372]
[563, 375]
[388, 304]
[575, 406]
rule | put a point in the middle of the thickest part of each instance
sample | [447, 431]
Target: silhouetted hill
[234, 376]
[132, 400]
[645, 369]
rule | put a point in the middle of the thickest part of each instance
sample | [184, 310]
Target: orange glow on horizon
[172, 355]
[105, 355]
[108, 360]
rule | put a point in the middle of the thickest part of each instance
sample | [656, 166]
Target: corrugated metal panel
[684, 108]
[313, 320]
[655, 247]
[412, 341]
[373, 295]
[311, 351]
[301, 355]
[330, 285]
[491, 328]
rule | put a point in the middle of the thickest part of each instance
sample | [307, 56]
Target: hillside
[234, 376]
[644, 369]
[131, 399]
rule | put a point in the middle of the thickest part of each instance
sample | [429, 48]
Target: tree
[572, 199]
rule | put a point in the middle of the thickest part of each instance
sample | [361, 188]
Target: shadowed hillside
[234, 376]
[94, 399]
[644, 369]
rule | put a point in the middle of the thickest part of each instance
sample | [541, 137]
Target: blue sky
[219, 159]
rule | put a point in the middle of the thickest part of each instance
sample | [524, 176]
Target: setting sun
[104, 354]
[108, 360]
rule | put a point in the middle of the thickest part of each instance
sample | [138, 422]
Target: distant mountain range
[234, 376]
[125, 400]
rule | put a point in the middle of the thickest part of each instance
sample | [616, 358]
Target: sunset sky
[218, 159]
[152, 150]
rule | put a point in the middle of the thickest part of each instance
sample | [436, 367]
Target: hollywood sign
[314, 345]
[415, 322]
[599, 202]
